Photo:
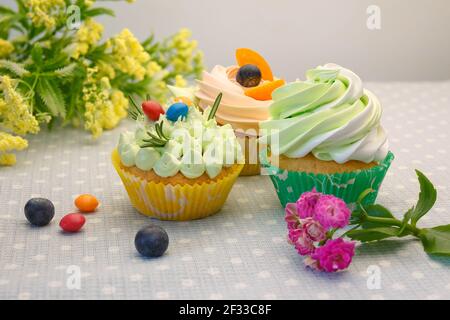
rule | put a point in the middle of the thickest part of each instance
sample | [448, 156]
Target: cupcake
[247, 88]
[178, 164]
[325, 133]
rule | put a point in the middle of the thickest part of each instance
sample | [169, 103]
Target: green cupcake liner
[348, 186]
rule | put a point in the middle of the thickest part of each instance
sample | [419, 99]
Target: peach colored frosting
[237, 109]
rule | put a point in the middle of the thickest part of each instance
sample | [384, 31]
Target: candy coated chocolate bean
[72, 222]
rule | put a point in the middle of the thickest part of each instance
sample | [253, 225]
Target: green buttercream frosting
[167, 166]
[146, 158]
[195, 145]
[128, 154]
[329, 115]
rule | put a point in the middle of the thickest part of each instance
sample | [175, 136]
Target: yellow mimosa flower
[6, 48]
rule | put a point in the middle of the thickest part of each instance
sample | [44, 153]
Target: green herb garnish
[136, 112]
[215, 106]
[157, 140]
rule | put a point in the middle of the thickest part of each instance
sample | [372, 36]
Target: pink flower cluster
[310, 221]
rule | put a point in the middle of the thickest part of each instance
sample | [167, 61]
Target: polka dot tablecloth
[240, 253]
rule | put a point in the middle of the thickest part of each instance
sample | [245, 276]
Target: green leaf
[58, 61]
[376, 210]
[427, 198]
[36, 54]
[6, 10]
[52, 97]
[364, 194]
[406, 218]
[76, 88]
[356, 217]
[148, 41]
[21, 6]
[98, 12]
[436, 240]
[6, 20]
[375, 234]
[15, 68]
[66, 71]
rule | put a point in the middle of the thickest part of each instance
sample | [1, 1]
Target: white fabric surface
[241, 252]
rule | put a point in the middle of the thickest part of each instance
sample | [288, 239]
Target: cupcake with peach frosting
[247, 94]
[237, 109]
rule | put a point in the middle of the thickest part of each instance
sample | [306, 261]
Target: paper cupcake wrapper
[348, 186]
[179, 202]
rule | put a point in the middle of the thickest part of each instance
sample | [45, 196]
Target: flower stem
[392, 222]
[351, 229]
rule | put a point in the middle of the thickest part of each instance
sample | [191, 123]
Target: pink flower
[308, 221]
[335, 255]
[293, 235]
[304, 244]
[307, 202]
[291, 217]
[313, 229]
[311, 263]
[332, 212]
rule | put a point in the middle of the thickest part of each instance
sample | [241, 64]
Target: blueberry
[39, 211]
[151, 241]
[248, 76]
[176, 111]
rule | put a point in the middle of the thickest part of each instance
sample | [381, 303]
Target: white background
[294, 35]
[413, 43]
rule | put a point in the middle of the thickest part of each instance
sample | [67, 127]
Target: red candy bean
[152, 110]
[72, 222]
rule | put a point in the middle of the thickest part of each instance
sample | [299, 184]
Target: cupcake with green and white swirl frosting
[179, 168]
[326, 133]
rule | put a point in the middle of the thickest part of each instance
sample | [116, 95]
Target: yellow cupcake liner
[179, 202]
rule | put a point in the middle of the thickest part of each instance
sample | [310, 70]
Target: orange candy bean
[86, 203]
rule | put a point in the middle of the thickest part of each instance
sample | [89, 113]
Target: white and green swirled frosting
[329, 115]
[196, 145]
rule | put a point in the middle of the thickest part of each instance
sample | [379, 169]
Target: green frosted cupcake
[325, 133]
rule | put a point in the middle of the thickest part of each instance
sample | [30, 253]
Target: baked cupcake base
[311, 164]
[176, 198]
[252, 166]
[292, 177]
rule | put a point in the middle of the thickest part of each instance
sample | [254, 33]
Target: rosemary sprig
[157, 140]
[135, 112]
[159, 130]
[215, 106]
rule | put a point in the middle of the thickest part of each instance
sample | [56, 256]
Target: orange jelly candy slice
[185, 100]
[264, 91]
[247, 56]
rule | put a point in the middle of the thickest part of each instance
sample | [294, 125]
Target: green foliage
[14, 68]
[375, 222]
[374, 210]
[49, 64]
[373, 234]
[51, 96]
[436, 240]
[427, 198]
